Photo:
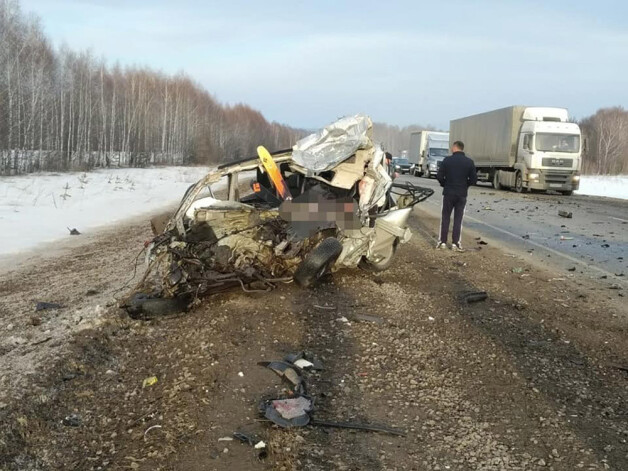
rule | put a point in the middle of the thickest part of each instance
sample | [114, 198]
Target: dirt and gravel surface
[535, 377]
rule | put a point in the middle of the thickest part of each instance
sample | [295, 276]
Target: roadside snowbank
[38, 208]
[604, 185]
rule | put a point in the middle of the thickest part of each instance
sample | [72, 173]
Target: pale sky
[305, 63]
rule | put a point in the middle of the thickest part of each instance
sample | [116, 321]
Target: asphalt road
[594, 241]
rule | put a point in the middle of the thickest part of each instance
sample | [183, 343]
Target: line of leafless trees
[396, 139]
[62, 110]
[606, 142]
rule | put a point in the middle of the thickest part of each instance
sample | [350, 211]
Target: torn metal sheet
[333, 144]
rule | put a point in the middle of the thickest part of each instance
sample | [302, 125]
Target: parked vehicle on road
[326, 203]
[401, 165]
[427, 151]
[522, 147]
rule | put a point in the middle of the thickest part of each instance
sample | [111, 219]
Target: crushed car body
[296, 214]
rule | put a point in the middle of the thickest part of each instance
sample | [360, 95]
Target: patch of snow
[604, 185]
[40, 207]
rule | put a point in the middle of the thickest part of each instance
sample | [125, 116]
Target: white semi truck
[523, 147]
[427, 150]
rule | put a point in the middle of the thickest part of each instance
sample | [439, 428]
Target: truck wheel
[496, 184]
[384, 263]
[318, 262]
[518, 182]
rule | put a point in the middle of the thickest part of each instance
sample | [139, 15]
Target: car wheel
[318, 262]
[567, 193]
[518, 182]
[384, 263]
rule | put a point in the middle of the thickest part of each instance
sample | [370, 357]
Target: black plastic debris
[304, 360]
[565, 214]
[74, 231]
[367, 318]
[474, 297]
[42, 306]
[359, 426]
[287, 413]
[296, 412]
[571, 269]
[72, 420]
[481, 242]
[145, 306]
[286, 371]
[527, 236]
[605, 246]
[245, 438]
[253, 441]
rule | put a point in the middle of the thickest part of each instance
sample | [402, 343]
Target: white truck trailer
[427, 150]
[522, 147]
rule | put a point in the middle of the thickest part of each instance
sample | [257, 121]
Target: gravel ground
[532, 378]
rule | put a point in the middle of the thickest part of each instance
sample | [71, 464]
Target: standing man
[456, 174]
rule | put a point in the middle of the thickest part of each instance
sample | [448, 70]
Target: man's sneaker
[441, 245]
[457, 247]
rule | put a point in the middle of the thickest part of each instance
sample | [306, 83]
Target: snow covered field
[39, 208]
[604, 185]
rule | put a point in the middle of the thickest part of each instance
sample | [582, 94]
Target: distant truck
[427, 150]
[523, 147]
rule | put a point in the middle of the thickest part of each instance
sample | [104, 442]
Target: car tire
[384, 263]
[567, 193]
[318, 262]
[518, 182]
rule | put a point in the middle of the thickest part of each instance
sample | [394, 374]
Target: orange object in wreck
[274, 173]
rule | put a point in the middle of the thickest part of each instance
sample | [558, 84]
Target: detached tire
[318, 262]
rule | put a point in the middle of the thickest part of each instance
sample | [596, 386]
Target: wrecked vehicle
[325, 204]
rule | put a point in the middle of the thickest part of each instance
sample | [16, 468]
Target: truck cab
[548, 151]
[433, 160]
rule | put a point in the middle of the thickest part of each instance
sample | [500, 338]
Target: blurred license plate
[555, 185]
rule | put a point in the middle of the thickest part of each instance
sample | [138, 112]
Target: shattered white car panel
[343, 213]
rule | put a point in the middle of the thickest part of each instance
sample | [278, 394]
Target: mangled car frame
[297, 214]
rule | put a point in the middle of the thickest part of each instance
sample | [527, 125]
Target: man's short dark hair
[459, 145]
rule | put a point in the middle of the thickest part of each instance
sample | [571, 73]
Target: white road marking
[553, 251]
[618, 219]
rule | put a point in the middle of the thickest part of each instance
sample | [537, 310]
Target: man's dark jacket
[456, 174]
